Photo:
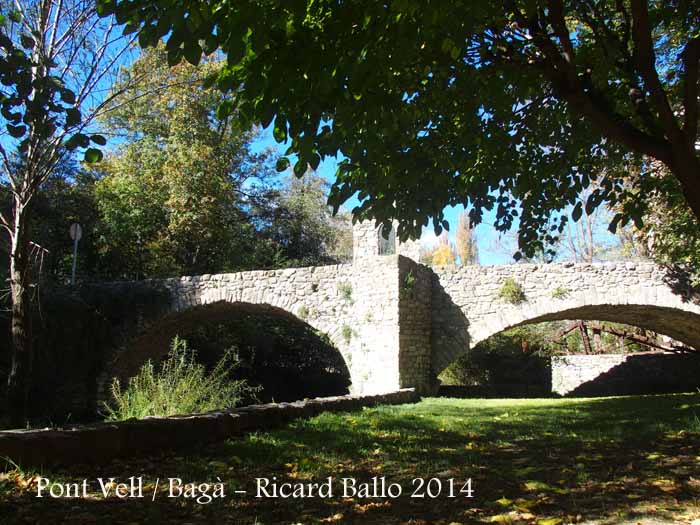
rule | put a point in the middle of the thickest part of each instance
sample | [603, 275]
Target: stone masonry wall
[467, 307]
[355, 305]
[571, 371]
[415, 330]
[639, 373]
[101, 442]
[366, 239]
[398, 323]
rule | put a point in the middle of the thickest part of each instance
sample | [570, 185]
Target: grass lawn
[537, 461]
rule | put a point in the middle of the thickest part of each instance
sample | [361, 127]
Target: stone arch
[386, 246]
[355, 305]
[673, 322]
[320, 363]
[639, 294]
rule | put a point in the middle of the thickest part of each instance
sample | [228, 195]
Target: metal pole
[138, 253]
[75, 259]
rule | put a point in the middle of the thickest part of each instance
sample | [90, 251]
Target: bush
[180, 385]
[512, 292]
[560, 293]
[514, 362]
[345, 290]
[285, 356]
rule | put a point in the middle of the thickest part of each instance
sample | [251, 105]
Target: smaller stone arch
[467, 307]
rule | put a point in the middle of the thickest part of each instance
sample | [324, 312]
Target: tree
[175, 198]
[444, 253]
[671, 233]
[467, 248]
[55, 56]
[516, 105]
[587, 239]
[302, 230]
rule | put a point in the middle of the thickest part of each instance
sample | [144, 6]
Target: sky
[490, 252]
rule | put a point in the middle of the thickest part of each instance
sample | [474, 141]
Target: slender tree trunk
[19, 377]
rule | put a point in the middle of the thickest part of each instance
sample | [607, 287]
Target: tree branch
[645, 59]
[691, 57]
[588, 103]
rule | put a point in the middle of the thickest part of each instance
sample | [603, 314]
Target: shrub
[560, 293]
[347, 333]
[512, 292]
[409, 282]
[501, 365]
[345, 290]
[303, 312]
[180, 385]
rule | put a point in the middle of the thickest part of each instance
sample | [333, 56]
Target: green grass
[608, 460]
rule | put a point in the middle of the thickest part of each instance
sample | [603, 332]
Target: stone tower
[368, 241]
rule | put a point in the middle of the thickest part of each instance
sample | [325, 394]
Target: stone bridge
[398, 323]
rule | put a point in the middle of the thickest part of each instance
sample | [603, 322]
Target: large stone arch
[308, 366]
[467, 308]
[355, 305]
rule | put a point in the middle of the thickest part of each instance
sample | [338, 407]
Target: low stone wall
[625, 374]
[101, 442]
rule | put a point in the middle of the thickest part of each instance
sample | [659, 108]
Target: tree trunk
[19, 377]
[687, 170]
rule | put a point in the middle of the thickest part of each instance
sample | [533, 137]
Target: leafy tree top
[485, 104]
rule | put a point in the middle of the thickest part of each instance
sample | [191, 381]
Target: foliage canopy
[512, 105]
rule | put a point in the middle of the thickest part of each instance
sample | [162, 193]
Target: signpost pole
[76, 232]
[75, 260]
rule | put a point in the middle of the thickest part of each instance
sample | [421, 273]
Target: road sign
[76, 231]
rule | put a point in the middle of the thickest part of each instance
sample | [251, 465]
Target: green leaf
[282, 164]
[73, 117]
[612, 228]
[315, 161]
[93, 155]
[130, 28]
[224, 110]
[280, 132]
[16, 131]
[174, 57]
[79, 140]
[576, 213]
[99, 139]
[193, 53]
[67, 96]
[26, 40]
[300, 168]
[10, 116]
[148, 37]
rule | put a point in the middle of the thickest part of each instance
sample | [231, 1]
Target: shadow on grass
[574, 460]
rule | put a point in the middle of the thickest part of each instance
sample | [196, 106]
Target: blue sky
[487, 237]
